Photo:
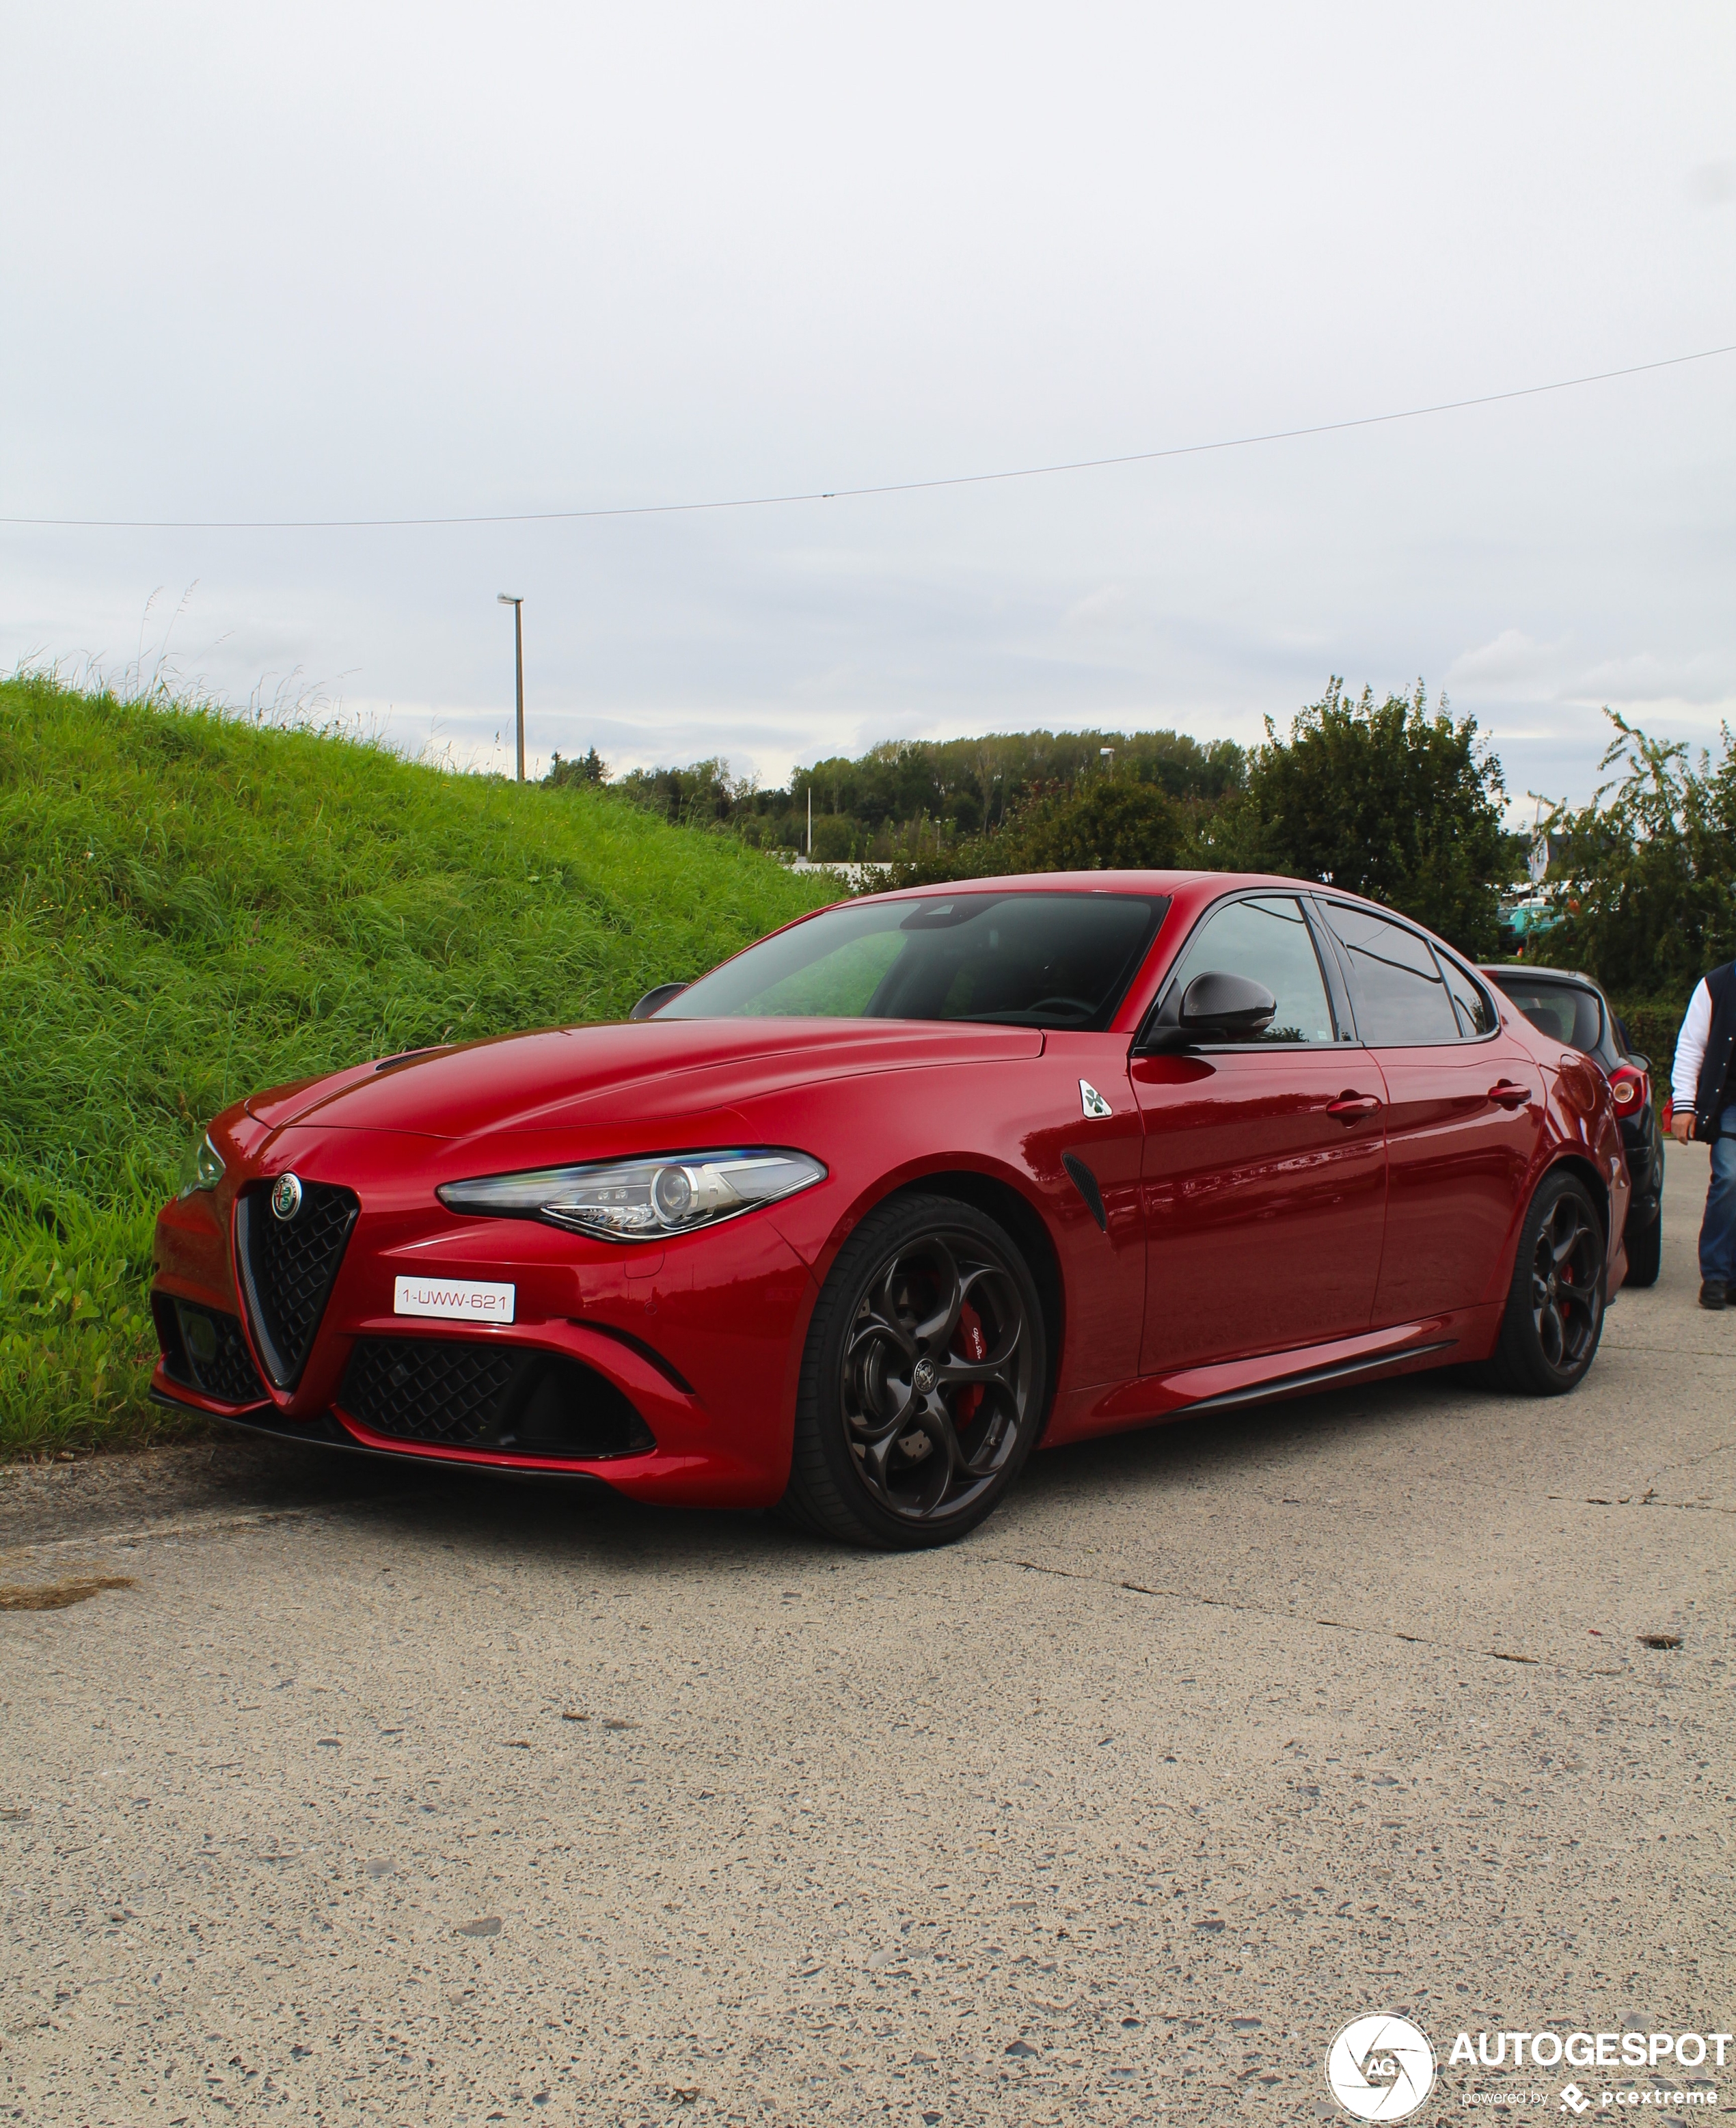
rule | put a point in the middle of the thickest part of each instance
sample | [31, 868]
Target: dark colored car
[1571, 1009]
[851, 1222]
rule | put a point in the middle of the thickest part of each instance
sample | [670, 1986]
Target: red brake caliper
[972, 1345]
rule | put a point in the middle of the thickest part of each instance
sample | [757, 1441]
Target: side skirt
[1313, 1378]
[1464, 1333]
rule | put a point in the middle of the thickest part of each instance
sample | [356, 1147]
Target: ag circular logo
[923, 1377]
[1380, 2068]
[286, 1196]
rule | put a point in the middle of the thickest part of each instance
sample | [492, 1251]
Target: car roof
[1074, 882]
[1172, 883]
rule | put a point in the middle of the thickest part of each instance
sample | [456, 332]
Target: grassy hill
[191, 906]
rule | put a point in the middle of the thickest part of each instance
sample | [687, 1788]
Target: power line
[848, 494]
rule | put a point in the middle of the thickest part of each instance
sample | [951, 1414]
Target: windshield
[1015, 960]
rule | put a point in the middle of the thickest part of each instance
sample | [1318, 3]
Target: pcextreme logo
[1382, 2068]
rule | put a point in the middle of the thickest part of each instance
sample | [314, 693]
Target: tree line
[910, 798]
[1395, 798]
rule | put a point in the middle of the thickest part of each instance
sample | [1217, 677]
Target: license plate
[453, 1299]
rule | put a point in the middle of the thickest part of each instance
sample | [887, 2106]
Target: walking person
[1704, 1098]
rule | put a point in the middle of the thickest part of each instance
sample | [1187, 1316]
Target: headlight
[633, 1200]
[205, 1172]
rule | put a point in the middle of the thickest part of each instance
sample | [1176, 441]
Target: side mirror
[1226, 1005]
[1215, 1007]
[654, 999]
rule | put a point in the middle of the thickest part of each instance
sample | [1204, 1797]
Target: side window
[1400, 999]
[1268, 940]
[1476, 1007]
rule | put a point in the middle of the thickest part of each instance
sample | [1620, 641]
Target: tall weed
[193, 904]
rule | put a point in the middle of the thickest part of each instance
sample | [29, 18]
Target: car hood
[620, 1072]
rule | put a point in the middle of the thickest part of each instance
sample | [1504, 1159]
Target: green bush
[195, 905]
[835, 838]
[1648, 869]
[1383, 799]
[1112, 824]
[1653, 1028]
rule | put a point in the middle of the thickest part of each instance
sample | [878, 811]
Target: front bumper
[698, 1340]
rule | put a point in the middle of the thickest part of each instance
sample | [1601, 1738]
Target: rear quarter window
[1473, 1004]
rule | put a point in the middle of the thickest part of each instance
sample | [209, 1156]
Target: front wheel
[922, 1380]
[1554, 1314]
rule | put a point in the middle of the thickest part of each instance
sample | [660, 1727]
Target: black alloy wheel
[1555, 1305]
[923, 1381]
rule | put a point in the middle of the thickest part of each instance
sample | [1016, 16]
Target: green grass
[195, 906]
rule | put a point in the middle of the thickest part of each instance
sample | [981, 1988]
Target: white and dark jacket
[1701, 1075]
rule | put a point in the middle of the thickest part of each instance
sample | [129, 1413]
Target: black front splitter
[263, 1423]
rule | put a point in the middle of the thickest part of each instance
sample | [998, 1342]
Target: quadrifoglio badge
[1382, 2068]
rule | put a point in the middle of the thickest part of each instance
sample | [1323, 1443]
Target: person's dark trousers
[1718, 1229]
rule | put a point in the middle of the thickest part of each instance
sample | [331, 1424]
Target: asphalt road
[400, 1802]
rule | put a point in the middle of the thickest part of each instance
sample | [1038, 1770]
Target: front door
[1264, 1162]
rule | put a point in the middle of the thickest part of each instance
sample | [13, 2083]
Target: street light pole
[517, 605]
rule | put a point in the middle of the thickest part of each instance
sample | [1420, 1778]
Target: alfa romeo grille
[288, 1266]
[480, 1393]
[205, 1351]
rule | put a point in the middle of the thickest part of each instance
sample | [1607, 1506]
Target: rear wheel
[1554, 1315]
[923, 1380]
[1645, 1253]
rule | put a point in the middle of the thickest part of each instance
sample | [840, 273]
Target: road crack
[1290, 1617]
[1645, 1500]
[193, 1526]
[1687, 1463]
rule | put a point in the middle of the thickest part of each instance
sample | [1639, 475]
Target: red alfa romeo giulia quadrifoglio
[854, 1221]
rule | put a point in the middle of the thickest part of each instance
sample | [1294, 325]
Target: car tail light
[1627, 1087]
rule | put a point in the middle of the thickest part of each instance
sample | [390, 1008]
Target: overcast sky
[274, 262]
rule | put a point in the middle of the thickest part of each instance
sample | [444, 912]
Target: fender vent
[1086, 1183]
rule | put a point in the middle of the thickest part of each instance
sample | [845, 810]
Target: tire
[924, 1379]
[1645, 1253]
[1555, 1305]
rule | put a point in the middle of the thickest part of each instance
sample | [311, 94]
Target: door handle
[1351, 1107]
[1508, 1094]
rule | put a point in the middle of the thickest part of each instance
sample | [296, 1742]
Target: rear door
[1264, 1163]
[1464, 1115]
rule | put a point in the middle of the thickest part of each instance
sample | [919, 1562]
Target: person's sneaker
[1712, 1293]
